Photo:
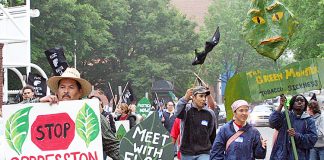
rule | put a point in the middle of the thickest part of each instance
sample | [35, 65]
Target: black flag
[314, 97]
[39, 84]
[209, 45]
[128, 95]
[57, 60]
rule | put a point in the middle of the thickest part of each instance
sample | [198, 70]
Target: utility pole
[75, 51]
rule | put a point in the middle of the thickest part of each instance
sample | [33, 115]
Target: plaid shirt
[109, 141]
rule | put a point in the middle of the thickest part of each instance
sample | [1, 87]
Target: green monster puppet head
[268, 27]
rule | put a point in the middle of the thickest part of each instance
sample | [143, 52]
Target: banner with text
[148, 140]
[143, 107]
[259, 85]
[68, 130]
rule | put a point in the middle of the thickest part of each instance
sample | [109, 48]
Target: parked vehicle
[222, 114]
[260, 115]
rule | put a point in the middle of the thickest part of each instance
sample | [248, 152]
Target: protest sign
[147, 141]
[143, 107]
[122, 127]
[259, 85]
[39, 131]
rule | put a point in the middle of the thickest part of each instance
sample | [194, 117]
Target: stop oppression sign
[39, 131]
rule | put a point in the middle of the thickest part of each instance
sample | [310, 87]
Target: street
[267, 133]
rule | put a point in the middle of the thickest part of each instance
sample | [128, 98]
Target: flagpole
[292, 139]
[112, 93]
[120, 98]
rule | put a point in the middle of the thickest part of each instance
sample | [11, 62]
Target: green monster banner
[148, 140]
[259, 85]
[268, 27]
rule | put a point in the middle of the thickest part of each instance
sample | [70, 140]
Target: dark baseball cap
[200, 89]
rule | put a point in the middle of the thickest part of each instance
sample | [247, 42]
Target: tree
[309, 35]
[232, 54]
[137, 41]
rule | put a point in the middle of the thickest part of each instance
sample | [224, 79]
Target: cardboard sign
[143, 107]
[122, 127]
[39, 131]
[147, 141]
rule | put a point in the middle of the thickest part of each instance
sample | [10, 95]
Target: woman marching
[237, 139]
[303, 130]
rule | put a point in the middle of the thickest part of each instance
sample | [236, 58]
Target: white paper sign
[39, 131]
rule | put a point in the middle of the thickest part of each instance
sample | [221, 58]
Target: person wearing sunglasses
[303, 130]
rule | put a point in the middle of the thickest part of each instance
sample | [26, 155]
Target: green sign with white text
[143, 107]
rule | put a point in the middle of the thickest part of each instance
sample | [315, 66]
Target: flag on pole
[57, 60]
[209, 45]
[39, 84]
[128, 95]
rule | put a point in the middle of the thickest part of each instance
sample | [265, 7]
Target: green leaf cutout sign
[17, 129]
[147, 140]
[87, 124]
[143, 107]
[121, 132]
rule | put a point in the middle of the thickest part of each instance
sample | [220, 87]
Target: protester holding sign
[126, 114]
[28, 94]
[303, 130]
[198, 121]
[237, 139]
[69, 86]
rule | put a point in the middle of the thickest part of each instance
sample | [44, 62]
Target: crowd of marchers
[192, 123]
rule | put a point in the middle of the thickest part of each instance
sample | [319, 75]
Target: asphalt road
[267, 133]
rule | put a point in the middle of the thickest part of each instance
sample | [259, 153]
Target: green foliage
[12, 3]
[232, 54]
[118, 41]
[309, 35]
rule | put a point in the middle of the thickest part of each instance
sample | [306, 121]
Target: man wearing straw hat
[69, 86]
[198, 127]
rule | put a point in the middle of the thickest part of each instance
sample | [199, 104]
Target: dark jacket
[198, 128]
[168, 120]
[110, 120]
[131, 118]
[110, 143]
[249, 148]
[305, 137]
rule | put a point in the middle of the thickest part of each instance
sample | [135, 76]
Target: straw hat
[70, 73]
